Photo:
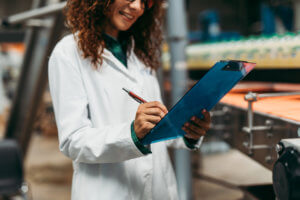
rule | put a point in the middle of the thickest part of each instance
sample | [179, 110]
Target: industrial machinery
[286, 174]
[264, 113]
[260, 117]
[262, 120]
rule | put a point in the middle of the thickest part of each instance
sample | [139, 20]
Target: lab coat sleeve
[78, 139]
[178, 143]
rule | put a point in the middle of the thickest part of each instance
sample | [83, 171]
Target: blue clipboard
[205, 94]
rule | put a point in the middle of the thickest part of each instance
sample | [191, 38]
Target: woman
[114, 45]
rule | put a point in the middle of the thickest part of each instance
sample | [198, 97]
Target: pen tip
[125, 90]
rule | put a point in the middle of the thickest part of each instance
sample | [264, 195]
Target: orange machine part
[287, 107]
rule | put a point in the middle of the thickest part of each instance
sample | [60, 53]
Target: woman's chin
[124, 28]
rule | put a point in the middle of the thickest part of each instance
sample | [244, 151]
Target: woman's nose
[137, 4]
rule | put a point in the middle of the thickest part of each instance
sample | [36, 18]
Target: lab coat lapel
[135, 67]
[117, 65]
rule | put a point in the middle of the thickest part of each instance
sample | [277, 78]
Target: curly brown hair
[87, 19]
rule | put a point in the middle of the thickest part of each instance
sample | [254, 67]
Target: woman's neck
[114, 33]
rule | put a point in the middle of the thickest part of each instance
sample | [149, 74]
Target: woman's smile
[122, 15]
[127, 16]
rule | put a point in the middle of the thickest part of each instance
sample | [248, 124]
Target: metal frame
[33, 79]
[251, 129]
[268, 130]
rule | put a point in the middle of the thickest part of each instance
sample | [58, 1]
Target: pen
[134, 96]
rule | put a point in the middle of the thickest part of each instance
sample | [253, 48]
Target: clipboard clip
[234, 65]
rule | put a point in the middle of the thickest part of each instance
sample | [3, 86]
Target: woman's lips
[127, 16]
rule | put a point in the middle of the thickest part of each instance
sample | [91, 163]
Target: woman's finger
[157, 105]
[190, 134]
[206, 116]
[154, 111]
[199, 122]
[152, 118]
[195, 129]
[147, 126]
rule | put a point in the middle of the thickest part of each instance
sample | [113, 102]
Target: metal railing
[33, 14]
[251, 129]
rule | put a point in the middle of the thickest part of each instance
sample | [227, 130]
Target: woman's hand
[195, 128]
[147, 116]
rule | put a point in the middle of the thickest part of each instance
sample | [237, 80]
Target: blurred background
[240, 151]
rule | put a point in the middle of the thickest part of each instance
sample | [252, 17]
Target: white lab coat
[106, 162]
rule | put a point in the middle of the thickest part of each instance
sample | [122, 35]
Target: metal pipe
[250, 125]
[177, 32]
[254, 96]
[34, 13]
[261, 146]
[266, 95]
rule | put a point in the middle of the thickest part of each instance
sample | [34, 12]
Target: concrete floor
[49, 173]
[232, 168]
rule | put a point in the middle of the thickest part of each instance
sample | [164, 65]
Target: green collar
[117, 48]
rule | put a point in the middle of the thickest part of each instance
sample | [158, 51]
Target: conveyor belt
[286, 107]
